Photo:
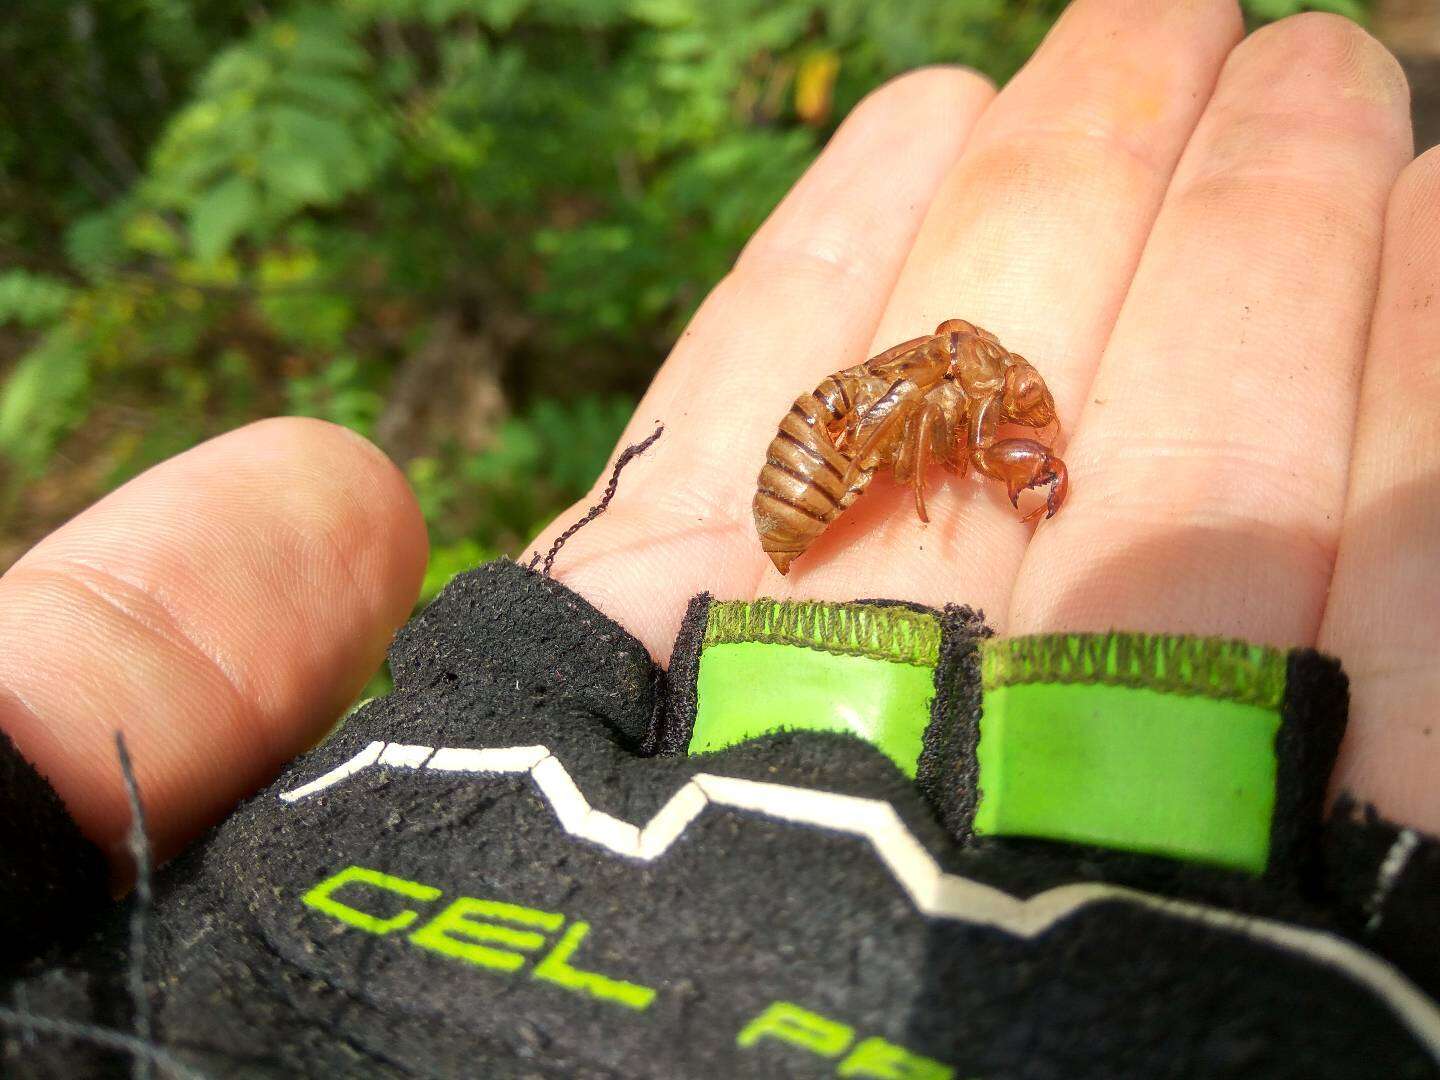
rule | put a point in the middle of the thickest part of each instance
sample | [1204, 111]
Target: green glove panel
[784, 666]
[1197, 749]
[1141, 742]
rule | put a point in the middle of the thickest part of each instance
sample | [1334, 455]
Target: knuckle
[1299, 219]
[832, 258]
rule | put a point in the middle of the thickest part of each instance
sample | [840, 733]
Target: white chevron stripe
[934, 892]
[363, 760]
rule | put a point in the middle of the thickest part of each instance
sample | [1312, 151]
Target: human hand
[233, 600]
[220, 611]
[1183, 232]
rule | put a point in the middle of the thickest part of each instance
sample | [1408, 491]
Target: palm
[1185, 238]
[1188, 248]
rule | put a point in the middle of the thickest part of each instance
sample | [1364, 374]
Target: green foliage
[341, 392]
[212, 211]
[31, 299]
[41, 399]
[281, 122]
[88, 85]
[540, 461]
[1269, 10]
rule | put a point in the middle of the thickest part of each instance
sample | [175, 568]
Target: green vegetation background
[468, 229]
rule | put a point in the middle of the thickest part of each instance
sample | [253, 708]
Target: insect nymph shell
[940, 398]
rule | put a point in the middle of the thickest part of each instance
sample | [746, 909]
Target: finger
[1383, 615]
[1208, 469]
[802, 301]
[219, 610]
[1034, 236]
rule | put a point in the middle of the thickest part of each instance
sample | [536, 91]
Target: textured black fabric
[948, 771]
[744, 909]
[524, 641]
[676, 723]
[742, 912]
[1385, 880]
[1312, 723]
[52, 880]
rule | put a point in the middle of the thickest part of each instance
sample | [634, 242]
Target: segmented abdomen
[802, 483]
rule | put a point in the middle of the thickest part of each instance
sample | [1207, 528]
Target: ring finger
[1209, 467]
[1382, 618]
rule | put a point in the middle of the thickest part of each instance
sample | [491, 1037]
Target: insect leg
[958, 447]
[1020, 463]
[1024, 464]
[930, 419]
[880, 359]
[856, 489]
[949, 427]
[880, 423]
[984, 422]
[903, 468]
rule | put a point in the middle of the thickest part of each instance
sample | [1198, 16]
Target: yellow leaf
[815, 86]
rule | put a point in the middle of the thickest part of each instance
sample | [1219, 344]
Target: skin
[1217, 253]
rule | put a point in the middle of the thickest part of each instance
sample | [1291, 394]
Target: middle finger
[1034, 235]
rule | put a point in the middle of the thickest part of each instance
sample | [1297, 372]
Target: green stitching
[1217, 668]
[555, 968]
[882, 633]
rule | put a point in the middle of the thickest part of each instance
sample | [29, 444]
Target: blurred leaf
[321, 47]
[150, 233]
[222, 214]
[95, 243]
[1270, 10]
[315, 89]
[31, 299]
[42, 400]
[340, 393]
[448, 560]
[815, 87]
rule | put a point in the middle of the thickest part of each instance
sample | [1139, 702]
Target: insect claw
[1056, 475]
